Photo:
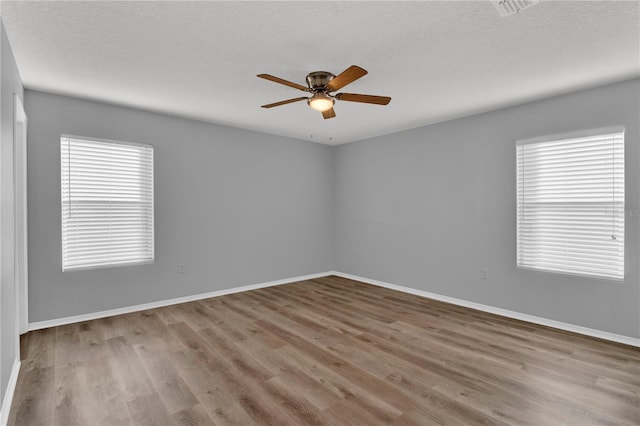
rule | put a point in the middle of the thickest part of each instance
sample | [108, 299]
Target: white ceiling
[437, 60]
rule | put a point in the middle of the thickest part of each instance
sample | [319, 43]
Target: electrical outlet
[181, 268]
[484, 273]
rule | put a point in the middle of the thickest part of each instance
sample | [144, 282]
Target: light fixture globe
[321, 102]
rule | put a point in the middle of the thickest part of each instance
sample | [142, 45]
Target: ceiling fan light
[321, 102]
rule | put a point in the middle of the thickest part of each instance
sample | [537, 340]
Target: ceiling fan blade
[347, 76]
[367, 99]
[330, 113]
[282, 81]
[288, 101]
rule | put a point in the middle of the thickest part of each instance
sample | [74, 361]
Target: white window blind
[571, 204]
[107, 203]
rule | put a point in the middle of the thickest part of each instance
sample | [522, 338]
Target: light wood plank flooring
[329, 351]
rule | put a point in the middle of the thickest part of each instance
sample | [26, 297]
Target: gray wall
[10, 85]
[237, 207]
[425, 208]
[428, 208]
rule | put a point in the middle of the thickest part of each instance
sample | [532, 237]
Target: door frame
[20, 218]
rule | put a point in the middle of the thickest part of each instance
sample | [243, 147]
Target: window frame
[152, 191]
[562, 137]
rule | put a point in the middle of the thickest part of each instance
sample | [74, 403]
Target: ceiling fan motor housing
[318, 80]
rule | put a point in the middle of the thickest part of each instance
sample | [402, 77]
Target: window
[571, 204]
[107, 203]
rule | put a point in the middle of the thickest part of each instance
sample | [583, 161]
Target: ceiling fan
[321, 84]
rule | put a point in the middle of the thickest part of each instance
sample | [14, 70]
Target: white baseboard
[8, 396]
[135, 308]
[499, 311]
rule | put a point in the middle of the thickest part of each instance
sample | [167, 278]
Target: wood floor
[329, 351]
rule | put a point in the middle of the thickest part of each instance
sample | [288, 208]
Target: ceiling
[437, 60]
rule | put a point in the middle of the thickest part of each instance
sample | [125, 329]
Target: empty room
[320, 213]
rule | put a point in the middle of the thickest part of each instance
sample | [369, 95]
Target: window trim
[558, 137]
[572, 135]
[117, 265]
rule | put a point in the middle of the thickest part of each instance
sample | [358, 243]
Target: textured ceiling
[437, 60]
